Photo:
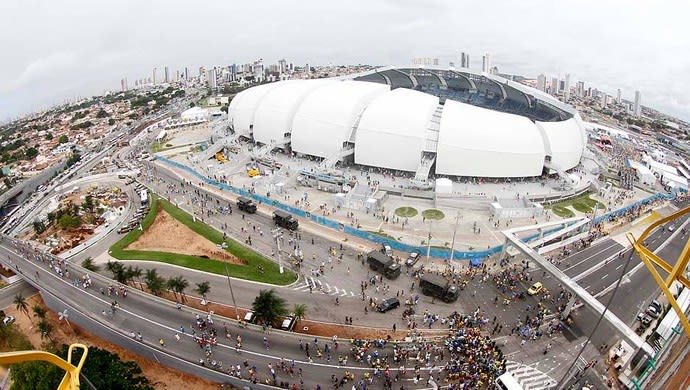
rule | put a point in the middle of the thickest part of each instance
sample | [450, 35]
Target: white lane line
[604, 277]
[619, 267]
[614, 243]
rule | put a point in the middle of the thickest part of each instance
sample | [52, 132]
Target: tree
[104, 369]
[177, 285]
[299, 311]
[118, 271]
[268, 306]
[68, 221]
[45, 328]
[111, 121]
[134, 273]
[203, 288]
[88, 203]
[63, 139]
[90, 265]
[39, 311]
[154, 282]
[20, 304]
[39, 227]
[30, 153]
[224, 108]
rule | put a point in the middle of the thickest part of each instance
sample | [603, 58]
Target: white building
[486, 63]
[637, 108]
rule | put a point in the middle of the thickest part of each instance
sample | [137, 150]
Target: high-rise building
[123, 84]
[637, 110]
[166, 75]
[211, 79]
[282, 66]
[581, 89]
[493, 70]
[618, 96]
[435, 61]
[566, 86]
[605, 100]
[177, 76]
[554, 86]
[202, 73]
[154, 76]
[486, 63]
[464, 60]
[541, 82]
[186, 74]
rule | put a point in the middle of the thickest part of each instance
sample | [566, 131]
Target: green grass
[250, 271]
[382, 234]
[406, 212]
[562, 212]
[433, 214]
[582, 203]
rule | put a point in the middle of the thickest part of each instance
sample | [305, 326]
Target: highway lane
[162, 319]
[8, 292]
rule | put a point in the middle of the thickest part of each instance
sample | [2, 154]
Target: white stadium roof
[326, 117]
[273, 117]
[474, 141]
[392, 130]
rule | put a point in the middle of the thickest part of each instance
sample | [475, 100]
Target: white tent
[444, 186]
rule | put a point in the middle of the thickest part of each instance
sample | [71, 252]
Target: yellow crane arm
[71, 379]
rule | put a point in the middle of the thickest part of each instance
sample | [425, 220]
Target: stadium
[417, 121]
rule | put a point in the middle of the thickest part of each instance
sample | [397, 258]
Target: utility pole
[455, 230]
[278, 235]
[237, 316]
[428, 244]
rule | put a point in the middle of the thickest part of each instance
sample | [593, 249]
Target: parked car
[652, 311]
[7, 320]
[288, 323]
[656, 305]
[387, 305]
[646, 320]
[413, 258]
[535, 289]
[249, 317]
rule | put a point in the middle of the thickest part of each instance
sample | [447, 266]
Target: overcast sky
[54, 50]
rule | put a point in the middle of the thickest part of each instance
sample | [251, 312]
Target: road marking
[594, 255]
[604, 277]
[619, 267]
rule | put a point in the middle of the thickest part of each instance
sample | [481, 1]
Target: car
[413, 258]
[652, 311]
[656, 305]
[249, 317]
[387, 305]
[646, 320]
[671, 227]
[535, 289]
[7, 320]
[288, 323]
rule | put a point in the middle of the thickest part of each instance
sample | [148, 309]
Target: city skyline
[128, 40]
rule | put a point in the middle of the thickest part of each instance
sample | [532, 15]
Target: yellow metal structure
[675, 273]
[221, 158]
[253, 172]
[71, 379]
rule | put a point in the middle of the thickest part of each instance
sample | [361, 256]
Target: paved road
[8, 292]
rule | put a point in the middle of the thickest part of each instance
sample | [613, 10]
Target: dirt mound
[167, 234]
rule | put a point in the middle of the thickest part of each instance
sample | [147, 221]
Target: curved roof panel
[243, 107]
[324, 120]
[392, 130]
[273, 117]
[563, 142]
[474, 141]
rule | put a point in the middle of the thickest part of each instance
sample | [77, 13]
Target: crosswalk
[318, 287]
[529, 377]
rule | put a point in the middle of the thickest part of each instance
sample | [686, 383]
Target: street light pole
[428, 244]
[278, 234]
[455, 230]
[232, 294]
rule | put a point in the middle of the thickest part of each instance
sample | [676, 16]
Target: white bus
[507, 382]
[144, 197]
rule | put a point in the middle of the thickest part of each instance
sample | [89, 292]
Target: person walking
[161, 342]
[177, 337]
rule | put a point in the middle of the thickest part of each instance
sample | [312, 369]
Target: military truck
[246, 204]
[383, 264]
[283, 219]
[439, 287]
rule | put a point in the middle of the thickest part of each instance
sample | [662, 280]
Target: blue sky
[57, 50]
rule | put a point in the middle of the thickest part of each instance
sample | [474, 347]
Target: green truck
[383, 264]
[440, 287]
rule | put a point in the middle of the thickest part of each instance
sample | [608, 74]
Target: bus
[507, 382]
[144, 197]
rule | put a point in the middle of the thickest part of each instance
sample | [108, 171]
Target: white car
[7, 320]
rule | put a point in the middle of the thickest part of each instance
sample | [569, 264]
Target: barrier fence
[475, 257]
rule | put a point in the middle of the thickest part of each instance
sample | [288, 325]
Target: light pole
[455, 230]
[428, 244]
[278, 235]
[232, 294]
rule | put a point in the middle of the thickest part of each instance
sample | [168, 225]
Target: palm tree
[268, 306]
[181, 285]
[45, 328]
[203, 288]
[21, 305]
[118, 271]
[90, 265]
[39, 311]
[135, 273]
[171, 285]
[299, 311]
[154, 282]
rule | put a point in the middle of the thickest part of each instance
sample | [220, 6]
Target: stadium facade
[416, 119]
